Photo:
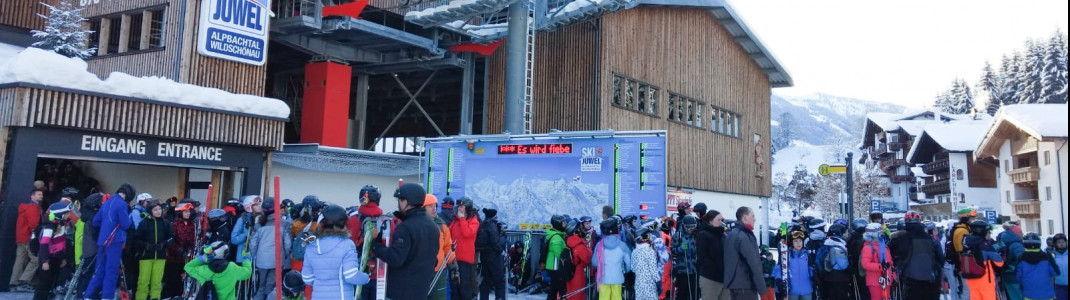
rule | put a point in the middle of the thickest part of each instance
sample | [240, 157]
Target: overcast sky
[894, 51]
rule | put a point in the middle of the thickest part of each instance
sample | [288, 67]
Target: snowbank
[38, 66]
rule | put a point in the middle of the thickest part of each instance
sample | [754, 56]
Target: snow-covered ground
[810, 156]
[34, 65]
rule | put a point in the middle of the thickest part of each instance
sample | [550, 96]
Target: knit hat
[268, 205]
[873, 228]
[490, 213]
[430, 200]
[447, 203]
[967, 212]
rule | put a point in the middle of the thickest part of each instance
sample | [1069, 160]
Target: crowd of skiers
[140, 247]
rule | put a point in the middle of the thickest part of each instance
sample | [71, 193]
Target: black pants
[89, 267]
[493, 271]
[686, 286]
[46, 280]
[861, 288]
[557, 287]
[921, 290]
[130, 271]
[832, 290]
[468, 281]
[172, 279]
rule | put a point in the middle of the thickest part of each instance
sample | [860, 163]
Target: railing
[896, 146]
[1025, 176]
[937, 166]
[937, 188]
[890, 164]
[880, 150]
[1026, 208]
[297, 15]
[399, 145]
[901, 178]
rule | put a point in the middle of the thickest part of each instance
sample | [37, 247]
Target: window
[114, 33]
[94, 34]
[688, 111]
[698, 115]
[1039, 228]
[142, 30]
[1023, 163]
[1051, 227]
[156, 30]
[1047, 192]
[1008, 196]
[134, 42]
[724, 122]
[958, 174]
[672, 107]
[637, 96]
[1047, 158]
[715, 123]
[1007, 166]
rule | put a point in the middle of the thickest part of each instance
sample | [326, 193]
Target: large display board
[528, 180]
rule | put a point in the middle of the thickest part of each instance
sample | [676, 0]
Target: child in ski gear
[800, 273]
[183, 227]
[922, 260]
[877, 263]
[645, 264]
[685, 258]
[489, 245]
[331, 261]
[834, 265]
[244, 222]
[112, 221]
[262, 246]
[980, 255]
[414, 243]
[768, 267]
[52, 249]
[710, 244]
[581, 257]
[212, 265]
[1010, 247]
[1059, 254]
[152, 239]
[612, 261]
[463, 230]
[29, 217]
[1036, 271]
[555, 238]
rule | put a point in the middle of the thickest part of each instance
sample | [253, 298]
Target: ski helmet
[630, 220]
[571, 227]
[217, 218]
[680, 207]
[467, 205]
[842, 222]
[333, 217]
[651, 223]
[817, 224]
[979, 227]
[268, 206]
[700, 208]
[92, 202]
[558, 222]
[837, 230]
[57, 210]
[930, 226]
[370, 193]
[912, 217]
[217, 249]
[900, 225]
[1031, 240]
[287, 203]
[967, 213]
[1057, 237]
[232, 202]
[610, 226]
[643, 234]
[69, 192]
[586, 219]
[689, 222]
[249, 201]
[293, 283]
[859, 225]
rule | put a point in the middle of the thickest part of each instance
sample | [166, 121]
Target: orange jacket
[445, 243]
[29, 218]
[464, 234]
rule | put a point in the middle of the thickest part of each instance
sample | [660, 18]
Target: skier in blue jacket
[1036, 271]
[613, 259]
[113, 220]
[800, 273]
[332, 265]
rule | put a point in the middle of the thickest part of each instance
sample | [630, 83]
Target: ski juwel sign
[235, 30]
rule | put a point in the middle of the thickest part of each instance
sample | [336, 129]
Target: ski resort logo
[235, 30]
[591, 161]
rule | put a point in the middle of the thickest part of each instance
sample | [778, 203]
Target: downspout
[597, 89]
[181, 35]
[1059, 170]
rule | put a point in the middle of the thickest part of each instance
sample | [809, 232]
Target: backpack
[1010, 261]
[835, 259]
[297, 247]
[971, 263]
[565, 265]
[872, 249]
[950, 255]
[207, 292]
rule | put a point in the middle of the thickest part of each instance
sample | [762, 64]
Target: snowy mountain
[538, 198]
[822, 119]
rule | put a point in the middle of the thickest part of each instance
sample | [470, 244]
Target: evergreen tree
[785, 131]
[1029, 74]
[991, 86]
[943, 101]
[64, 33]
[1053, 76]
[1008, 79]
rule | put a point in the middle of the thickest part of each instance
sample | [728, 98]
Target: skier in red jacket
[25, 255]
[463, 230]
[581, 258]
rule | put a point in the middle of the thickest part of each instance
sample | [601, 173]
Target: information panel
[528, 181]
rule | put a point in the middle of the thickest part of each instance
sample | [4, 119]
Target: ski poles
[573, 293]
[440, 271]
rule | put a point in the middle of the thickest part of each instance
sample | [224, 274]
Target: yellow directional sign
[825, 169]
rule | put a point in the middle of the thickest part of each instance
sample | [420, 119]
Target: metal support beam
[385, 32]
[514, 68]
[412, 99]
[417, 103]
[467, 93]
[409, 66]
[360, 113]
[317, 46]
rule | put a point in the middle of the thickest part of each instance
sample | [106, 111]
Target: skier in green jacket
[555, 238]
[213, 265]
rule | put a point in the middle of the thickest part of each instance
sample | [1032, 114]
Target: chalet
[951, 179]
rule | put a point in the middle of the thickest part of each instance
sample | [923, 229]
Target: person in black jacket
[710, 243]
[923, 262]
[854, 253]
[152, 238]
[413, 251]
[489, 247]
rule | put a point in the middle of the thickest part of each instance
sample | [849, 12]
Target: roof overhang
[734, 23]
[344, 160]
[1001, 129]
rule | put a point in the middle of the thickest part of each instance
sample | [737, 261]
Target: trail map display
[528, 181]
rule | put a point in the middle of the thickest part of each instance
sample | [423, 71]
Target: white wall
[727, 204]
[336, 188]
[1051, 210]
[984, 198]
[1003, 181]
[160, 182]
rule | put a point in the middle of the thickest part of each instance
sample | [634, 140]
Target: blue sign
[529, 181]
[875, 206]
[990, 216]
[235, 30]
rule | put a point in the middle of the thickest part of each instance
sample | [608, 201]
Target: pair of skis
[368, 229]
[784, 257]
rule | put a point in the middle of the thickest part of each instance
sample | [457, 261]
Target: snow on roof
[39, 66]
[1045, 120]
[7, 52]
[958, 136]
[885, 121]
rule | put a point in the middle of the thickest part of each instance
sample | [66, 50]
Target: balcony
[901, 178]
[896, 146]
[1025, 176]
[936, 188]
[889, 165]
[937, 166]
[880, 150]
[1029, 209]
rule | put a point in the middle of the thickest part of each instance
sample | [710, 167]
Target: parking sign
[990, 215]
[875, 206]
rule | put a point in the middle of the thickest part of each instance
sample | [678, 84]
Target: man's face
[1060, 244]
[718, 221]
[37, 196]
[749, 219]
[431, 212]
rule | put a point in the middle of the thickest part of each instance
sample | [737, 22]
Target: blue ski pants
[107, 273]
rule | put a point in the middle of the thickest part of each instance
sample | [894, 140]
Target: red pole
[207, 208]
[278, 243]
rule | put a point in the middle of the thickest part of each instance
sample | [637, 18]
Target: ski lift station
[331, 95]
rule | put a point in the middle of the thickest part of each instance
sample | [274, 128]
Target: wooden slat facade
[217, 73]
[38, 106]
[23, 14]
[680, 50]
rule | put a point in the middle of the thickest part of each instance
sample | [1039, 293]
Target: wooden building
[950, 177]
